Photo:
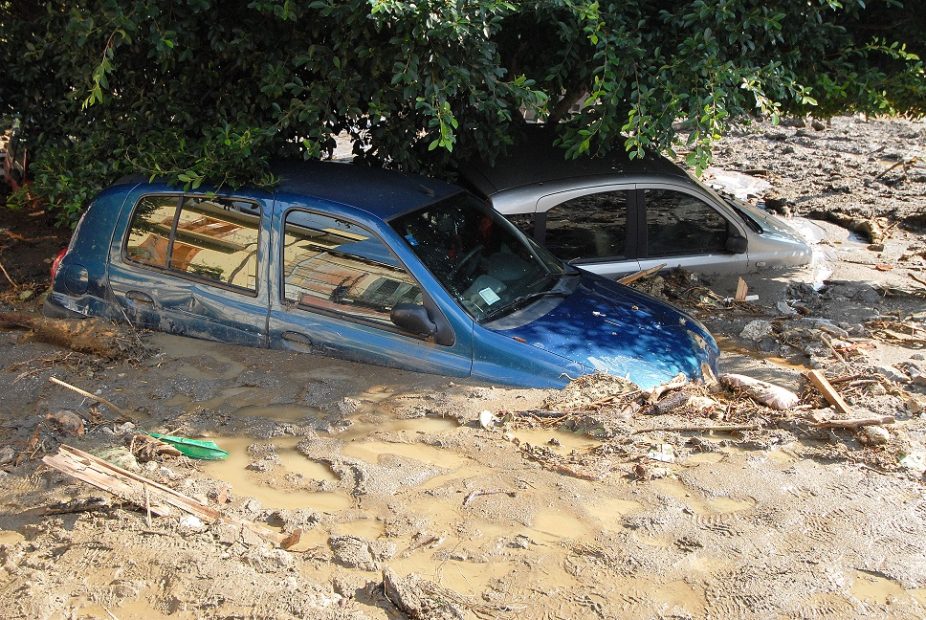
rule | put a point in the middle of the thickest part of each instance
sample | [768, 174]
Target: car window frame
[287, 305]
[185, 275]
[634, 213]
[730, 219]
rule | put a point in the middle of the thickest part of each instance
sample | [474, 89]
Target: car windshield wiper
[523, 300]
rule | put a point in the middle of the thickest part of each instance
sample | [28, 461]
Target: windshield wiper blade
[520, 302]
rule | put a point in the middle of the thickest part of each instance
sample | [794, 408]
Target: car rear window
[215, 239]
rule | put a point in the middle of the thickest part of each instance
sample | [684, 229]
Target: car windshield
[480, 258]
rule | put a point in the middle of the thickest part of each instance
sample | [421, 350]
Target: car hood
[608, 327]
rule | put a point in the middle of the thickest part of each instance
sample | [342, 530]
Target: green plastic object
[201, 449]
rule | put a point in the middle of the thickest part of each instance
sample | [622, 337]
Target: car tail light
[57, 263]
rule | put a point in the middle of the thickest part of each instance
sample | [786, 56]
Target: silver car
[615, 215]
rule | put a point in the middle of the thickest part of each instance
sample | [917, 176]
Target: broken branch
[92, 397]
[856, 423]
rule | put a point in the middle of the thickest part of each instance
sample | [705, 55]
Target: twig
[903, 163]
[726, 428]
[147, 507]
[917, 278]
[11, 281]
[93, 397]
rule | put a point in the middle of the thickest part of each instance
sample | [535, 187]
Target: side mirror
[736, 244]
[414, 319]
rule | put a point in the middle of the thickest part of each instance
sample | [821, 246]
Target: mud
[594, 513]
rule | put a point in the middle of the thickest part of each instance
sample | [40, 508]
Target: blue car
[366, 265]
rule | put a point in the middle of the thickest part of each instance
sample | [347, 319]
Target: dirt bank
[553, 504]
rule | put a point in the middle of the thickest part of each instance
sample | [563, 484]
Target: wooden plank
[742, 289]
[829, 393]
[639, 275]
[149, 494]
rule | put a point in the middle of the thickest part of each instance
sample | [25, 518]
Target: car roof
[534, 159]
[383, 193]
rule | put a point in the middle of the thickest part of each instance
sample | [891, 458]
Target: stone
[785, 309]
[874, 435]
[192, 522]
[66, 422]
[7, 455]
[890, 373]
[486, 419]
[756, 330]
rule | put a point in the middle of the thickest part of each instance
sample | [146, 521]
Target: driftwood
[829, 393]
[856, 423]
[83, 336]
[158, 499]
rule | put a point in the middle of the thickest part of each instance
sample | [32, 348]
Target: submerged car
[615, 215]
[367, 265]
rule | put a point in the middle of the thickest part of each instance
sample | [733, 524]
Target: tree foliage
[209, 91]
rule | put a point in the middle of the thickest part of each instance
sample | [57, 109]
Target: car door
[337, 282]
[194, 265]
[592, 228]
[682, 228]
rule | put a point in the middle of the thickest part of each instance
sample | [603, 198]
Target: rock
[914, 460]
[486, 419]
[7, 455]
[66, 422]
[756, 330]
[348, 405]
[890, 373]
[817, 125]
[874, 435]
[421, 599]
[356, 552]
[785, 309]
[876, 247]
[119, 456]
[124, 428]
[26, 295]
[192, 522]
[520, 542]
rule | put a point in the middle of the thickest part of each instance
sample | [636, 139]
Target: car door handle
[139, 298]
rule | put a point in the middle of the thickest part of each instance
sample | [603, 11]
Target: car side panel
[504, 361]
[88, 254]
[311, 331]
[167, 301]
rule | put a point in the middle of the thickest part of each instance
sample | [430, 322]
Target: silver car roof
[535, 160]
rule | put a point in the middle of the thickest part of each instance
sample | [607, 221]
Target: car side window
[149, 235]
[678, 223]
[218, 240]
[589, 227]
[334, 265]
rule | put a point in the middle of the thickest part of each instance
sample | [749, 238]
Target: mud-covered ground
[565, 504]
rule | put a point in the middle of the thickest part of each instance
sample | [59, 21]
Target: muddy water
[267, 490]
